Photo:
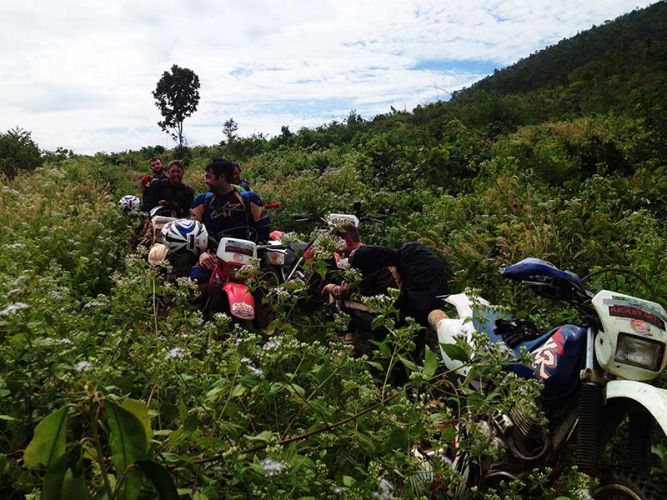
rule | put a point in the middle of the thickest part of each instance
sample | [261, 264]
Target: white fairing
[449, 329]
[275, 256]
[651, 398]
[237, 251]
[625, 315]
[342, 220]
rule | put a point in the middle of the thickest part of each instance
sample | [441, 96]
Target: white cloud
[80, 74]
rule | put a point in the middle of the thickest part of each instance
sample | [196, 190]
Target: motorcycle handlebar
[272, 247]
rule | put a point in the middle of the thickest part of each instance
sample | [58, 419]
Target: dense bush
[18, 151]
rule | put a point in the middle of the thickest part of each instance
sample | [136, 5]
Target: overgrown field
[138, 389]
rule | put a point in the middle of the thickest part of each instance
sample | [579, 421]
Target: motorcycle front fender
[241, 301]
[650, 397]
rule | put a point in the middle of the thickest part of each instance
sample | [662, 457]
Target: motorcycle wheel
[626, 484]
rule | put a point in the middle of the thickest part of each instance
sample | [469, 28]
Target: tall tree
[229, 129]
[177, 96]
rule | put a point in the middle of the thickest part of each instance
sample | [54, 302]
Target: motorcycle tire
[628, 484]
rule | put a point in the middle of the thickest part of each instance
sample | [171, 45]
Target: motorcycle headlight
[639, 352]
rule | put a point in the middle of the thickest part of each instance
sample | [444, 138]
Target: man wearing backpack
[413, 269]
[223, 209]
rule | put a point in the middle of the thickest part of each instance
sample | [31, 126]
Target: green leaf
[65, 478]
[129, 443]
[75, 486]
[238, 390]
[408, 364]
[397, 440]
[455, 352]
[48, 443]
[7, 417]
[430, 363]
[348, 481]
[52, 486]
[190, 425]
[139, 410]
[365, 443]
[376, 365]
[264, 437]
[161, 479]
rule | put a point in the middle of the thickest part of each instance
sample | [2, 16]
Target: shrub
[18, 152]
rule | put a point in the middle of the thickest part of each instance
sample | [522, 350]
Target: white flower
[253, 369]
[13, 308]
[92, 303]
[65, 341]
[385, 489]
[83, 366]
[272, 344]
[272, 467]
[175, 353]
[15, 246]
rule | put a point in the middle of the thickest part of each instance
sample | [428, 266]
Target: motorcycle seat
[532, 268]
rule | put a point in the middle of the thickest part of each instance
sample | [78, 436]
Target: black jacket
[178, 198]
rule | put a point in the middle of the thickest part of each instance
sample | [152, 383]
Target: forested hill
[622, 45]
[620, 66]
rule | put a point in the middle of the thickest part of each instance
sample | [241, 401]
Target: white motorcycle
[596, 374]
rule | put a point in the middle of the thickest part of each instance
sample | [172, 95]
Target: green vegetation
[18, 151]
[111, 383]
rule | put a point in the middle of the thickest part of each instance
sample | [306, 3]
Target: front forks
[589, 411]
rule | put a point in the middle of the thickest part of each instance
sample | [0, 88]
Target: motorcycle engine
[523, 436]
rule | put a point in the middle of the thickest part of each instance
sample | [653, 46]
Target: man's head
[175, 172]
[350, 234]
[219, 174]
[156, 165]
[236, 179]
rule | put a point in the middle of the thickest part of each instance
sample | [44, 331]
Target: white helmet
[163, 211]
[185, 233]
[129, 204]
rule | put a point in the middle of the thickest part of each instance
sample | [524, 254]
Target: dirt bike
[300, 252]
[228, 293]
[596, 374]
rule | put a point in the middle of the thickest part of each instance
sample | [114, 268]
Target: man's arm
[197, 207]
[151, 196]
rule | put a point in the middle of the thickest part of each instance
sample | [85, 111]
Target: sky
[80, 74]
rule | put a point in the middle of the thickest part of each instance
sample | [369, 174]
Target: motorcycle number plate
[243, 310]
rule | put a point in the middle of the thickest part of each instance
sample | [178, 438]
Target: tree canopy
[177, 96]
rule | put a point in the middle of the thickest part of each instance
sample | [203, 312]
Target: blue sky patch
[468, 66]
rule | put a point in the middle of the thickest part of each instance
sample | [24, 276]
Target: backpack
[423, 276]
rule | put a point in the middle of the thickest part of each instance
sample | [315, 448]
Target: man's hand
[207, 260]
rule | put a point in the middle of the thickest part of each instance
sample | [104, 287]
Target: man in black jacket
[414, 269]
[170, 192]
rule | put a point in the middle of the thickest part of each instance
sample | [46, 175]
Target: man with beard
[170, 192]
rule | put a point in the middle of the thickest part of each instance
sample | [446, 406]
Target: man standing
[157, 172]
[170, 192]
